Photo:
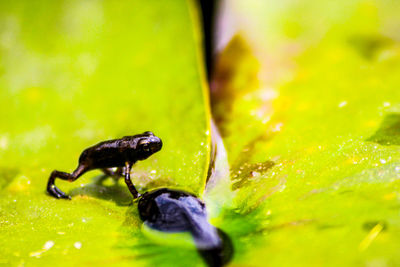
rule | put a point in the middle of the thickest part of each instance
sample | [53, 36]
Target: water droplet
[342, 104]
[382, 161]
[48, 245]
[78, 245]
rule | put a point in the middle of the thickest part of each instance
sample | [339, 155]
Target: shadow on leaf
[389, 131]
[97, 189]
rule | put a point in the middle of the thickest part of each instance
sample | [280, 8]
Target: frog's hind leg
[51, 187]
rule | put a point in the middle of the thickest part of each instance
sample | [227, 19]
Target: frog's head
[148, 145]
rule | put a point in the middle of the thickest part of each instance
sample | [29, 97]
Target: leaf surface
[308, 100]
[72, 74]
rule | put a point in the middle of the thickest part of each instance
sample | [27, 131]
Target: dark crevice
[208, 8]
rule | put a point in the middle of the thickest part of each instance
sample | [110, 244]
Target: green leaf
[72, 74]
[308, 101]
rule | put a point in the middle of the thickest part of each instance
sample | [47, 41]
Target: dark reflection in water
[389, 131]
[177, 211]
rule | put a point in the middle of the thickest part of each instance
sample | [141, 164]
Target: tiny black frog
[171, 210]
[121, 153]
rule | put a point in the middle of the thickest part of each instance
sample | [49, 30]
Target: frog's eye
[148, 133]
[145, 145]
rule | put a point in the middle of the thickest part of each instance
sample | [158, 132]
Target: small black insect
[121, 153]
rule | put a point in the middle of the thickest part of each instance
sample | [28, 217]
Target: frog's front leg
[53, 190]
[131, 187]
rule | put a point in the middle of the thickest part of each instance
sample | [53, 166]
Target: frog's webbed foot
[53, 190]
[56, 192]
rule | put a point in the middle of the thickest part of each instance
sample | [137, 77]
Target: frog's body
[119, 153]
[115, 153]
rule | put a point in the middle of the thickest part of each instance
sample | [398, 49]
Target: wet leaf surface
[312, 87]
[307, 105]
[73, 74]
